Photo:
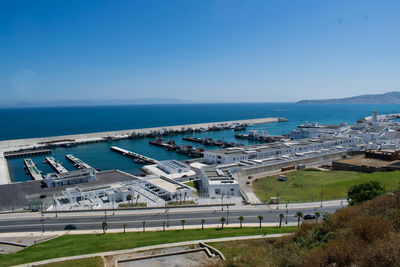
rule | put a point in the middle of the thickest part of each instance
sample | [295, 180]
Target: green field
[71, 245]
[302, 186]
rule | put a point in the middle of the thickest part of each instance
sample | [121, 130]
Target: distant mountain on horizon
[111, 102]
[386, 98]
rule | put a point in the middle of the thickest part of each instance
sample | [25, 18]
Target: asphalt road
[94, 222]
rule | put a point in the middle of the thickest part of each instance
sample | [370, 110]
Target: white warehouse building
[264, 151]
[218, 182]
[172, 166]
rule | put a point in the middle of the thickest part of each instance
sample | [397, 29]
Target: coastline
[30, 143]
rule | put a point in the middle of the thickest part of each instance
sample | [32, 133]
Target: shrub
[363, 192]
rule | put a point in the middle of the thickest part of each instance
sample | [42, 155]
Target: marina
[33, 170]
[77, 162]
[57, 166]
[211, 142]
[136, 157]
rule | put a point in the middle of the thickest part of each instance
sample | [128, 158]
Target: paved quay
[4, 173]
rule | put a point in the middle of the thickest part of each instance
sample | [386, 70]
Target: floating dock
[136, 157]
[56, 165]
[210, 142]
[33, 170]
[77, 162]
[25, 153]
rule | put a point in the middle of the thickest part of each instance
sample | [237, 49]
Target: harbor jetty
[42, 145]
[77, 162]
[140, 159]
[56, 165]
[33, 170]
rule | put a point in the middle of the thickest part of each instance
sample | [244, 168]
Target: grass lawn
[242, 248]
[190, 183]
[333, 184]
[87, 262]
[70, 245]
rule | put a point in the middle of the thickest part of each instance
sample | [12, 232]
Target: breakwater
[11, 145]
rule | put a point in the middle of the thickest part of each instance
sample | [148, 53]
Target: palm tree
[281, 216]
[129, 198]
[183, 224]
[184, 199]
[222, 221]
[104, 226]
[202, 223]
[144, 224]
[241, 219]
[137, 199]
[163, 225]
[260, 218]
[317, 215]
[299, 215]
[124, 228]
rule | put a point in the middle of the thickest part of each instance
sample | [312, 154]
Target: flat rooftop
[21, 193]
[165, 185]
[273, 146]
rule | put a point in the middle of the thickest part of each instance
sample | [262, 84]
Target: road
[93, 221]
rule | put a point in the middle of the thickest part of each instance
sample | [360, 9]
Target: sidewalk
[185, 243]
[138, 229]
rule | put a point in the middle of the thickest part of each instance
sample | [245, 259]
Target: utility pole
[55, 204]
[113, 206]
[105, 216]
[166, 211]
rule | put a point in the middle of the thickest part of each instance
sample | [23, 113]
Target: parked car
[309, 217]
[70, 227]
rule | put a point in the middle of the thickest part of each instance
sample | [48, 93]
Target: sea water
[41, 122]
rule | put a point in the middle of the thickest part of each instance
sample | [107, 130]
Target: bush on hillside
[363, 192]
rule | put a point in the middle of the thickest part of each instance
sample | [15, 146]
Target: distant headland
[386, 98]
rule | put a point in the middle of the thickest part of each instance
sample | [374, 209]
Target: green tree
[222, 222]
[260, 218]
[281, 216]
[299, 215]
[163, 225]
[104, 226]
[202, 223]
[363, 192]
[183, 224]
[241, 219]
[137, 199]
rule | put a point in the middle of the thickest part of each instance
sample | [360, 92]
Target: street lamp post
[222, 201]
[227, 214]
[42, 220]
[322, 197]
[277, 200]
[286, 213]
[113, 207]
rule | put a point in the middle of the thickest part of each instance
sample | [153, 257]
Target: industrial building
[172, 166]
[152, 190]
[218, 182]
[266, 151]
[70, 178]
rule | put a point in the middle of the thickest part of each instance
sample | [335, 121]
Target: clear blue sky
[208, 51]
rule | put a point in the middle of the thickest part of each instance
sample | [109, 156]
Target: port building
[173, 166]
[70, 178]
[218, 182]
[264, 152]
